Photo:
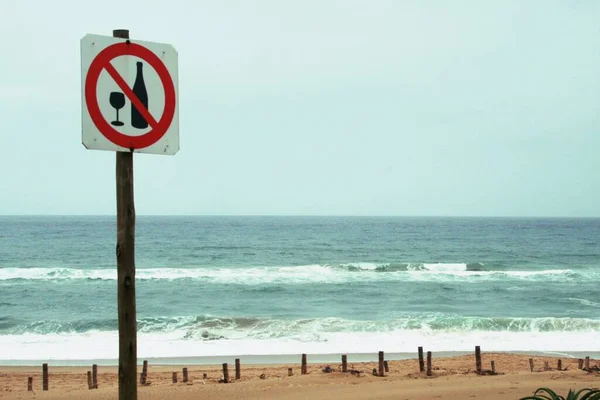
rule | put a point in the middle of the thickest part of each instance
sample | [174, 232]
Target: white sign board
[129, 95]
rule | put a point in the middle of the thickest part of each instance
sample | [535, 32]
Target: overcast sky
[323, 107]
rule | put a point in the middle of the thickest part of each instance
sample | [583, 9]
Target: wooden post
[478, 359]
[89, 379]
[204, 376]
[580, 363]
[44, 376]
[304, 369]
[174, 377]
[95, 376]
[531, 364]
[429, 371]
[30, 384]
[185, 375]
[587, 362]
[559, 364]
[386, 367]
[546, 366]
[238, 372]
[381, 369]
[144, 374]
[290, 372]
[344, 363]
[125, 253]
[493, 367]
[421, 361]
[225, 373]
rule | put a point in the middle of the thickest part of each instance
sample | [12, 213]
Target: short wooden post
[344, 363]
[386, 367]
[238, 372]
[478, 359]
[290, 372]
[587, 362]
[174, 377]
[546, 366]
[204, 376]
[144, 374]
[225, 373]
[95, 376]
[185, 375]
[30, 384]
[429, 371]
[381, 368]
[580, 363]
[89, 379]
[559, 364]
[421, 360]
[45, 376]
[493, 367]
[531, 364]
[304, 369]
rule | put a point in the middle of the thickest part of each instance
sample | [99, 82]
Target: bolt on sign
[129, 95]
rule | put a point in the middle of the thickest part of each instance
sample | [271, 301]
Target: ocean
[273, 286]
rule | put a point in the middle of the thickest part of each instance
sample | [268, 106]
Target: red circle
[91, 99]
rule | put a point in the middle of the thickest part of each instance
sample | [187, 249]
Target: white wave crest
[358, 272]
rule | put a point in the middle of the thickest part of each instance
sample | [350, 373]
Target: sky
[319, 107]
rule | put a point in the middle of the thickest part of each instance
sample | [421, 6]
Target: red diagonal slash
[129, 93]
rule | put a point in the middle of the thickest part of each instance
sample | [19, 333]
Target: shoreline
[453, 378]
[278, 359]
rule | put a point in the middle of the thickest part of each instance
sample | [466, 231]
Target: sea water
[260, 286]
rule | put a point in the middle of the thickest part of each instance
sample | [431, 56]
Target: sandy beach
[453, 378]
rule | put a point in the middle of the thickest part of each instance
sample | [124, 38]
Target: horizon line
[314, 216]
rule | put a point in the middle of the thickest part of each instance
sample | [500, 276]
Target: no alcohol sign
[129, 95]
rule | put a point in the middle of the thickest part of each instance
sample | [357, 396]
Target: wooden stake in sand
[304, 369]
[30, 384]
[381, 367]
[290, 372]
[429, 371]
[44, 376]
[204, 376]
[144, 374]
[386, 367]
[531, 364]
[493, 367]
[421, 360]
[225, 373]
[344, 363]
[478, 359]
[174, 377]
[89, 379]
[559, 364]
[238, 372]
[95, 376]
[587, 362]
[580, 363]
[185, 375]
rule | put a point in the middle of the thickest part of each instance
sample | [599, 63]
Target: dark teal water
[276, 285]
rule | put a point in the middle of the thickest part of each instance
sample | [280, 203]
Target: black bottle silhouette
[139, 89]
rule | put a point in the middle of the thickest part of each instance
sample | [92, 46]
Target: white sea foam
[356, 272]
[104, 345]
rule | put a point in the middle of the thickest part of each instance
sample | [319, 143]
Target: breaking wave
[212, 327]
[338, 273]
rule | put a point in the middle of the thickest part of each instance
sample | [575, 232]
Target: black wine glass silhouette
[117, 100]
